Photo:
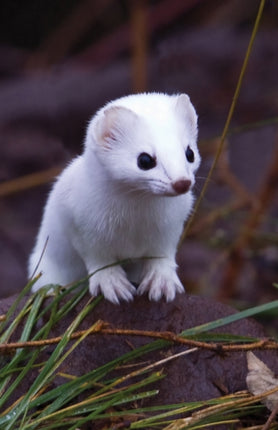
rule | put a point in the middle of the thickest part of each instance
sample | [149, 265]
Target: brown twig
[118, 41]
[242, 200]
[101, 328]
[209, 219]
[226, 176]
[265, 197]
[28, 181]
[140, 44]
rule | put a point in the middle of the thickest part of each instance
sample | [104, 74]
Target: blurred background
[61, 61]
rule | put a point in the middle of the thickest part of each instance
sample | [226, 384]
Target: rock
[199, 376]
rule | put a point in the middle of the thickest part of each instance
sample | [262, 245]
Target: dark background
[61, 61]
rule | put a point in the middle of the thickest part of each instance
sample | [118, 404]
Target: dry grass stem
[230, 114]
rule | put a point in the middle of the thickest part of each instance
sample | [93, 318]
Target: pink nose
[182, 186]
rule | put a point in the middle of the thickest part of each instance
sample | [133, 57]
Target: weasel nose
[181, 186]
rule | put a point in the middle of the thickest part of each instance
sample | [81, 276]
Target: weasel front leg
[159, 278]
[112, 283]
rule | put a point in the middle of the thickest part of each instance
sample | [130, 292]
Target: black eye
[189, 155]
[146, 161]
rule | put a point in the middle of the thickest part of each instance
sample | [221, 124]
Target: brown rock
[198, 376]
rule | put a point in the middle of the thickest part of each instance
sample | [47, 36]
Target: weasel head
[147, 143]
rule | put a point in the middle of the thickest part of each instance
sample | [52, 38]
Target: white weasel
[126, 197]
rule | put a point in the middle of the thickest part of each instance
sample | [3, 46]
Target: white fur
[104, 208]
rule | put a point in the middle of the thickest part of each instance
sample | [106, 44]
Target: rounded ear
[186, 111]
[113, 124]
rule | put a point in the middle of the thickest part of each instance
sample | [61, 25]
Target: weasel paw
[161, 283]
[113, 284]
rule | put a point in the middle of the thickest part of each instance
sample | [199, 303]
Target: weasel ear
[186, 111]
[113, 125]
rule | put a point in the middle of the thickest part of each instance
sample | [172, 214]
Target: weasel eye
[189, 155]
[146, 161]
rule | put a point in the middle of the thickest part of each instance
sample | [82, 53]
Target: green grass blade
[48, 370]
[9, 315]
[231, 318]
[47, 405]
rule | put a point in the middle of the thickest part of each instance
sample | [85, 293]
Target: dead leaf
[261, 379]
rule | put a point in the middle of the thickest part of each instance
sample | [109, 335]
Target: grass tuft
[96, 395]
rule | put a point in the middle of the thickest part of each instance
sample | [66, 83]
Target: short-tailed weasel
[126, 197]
